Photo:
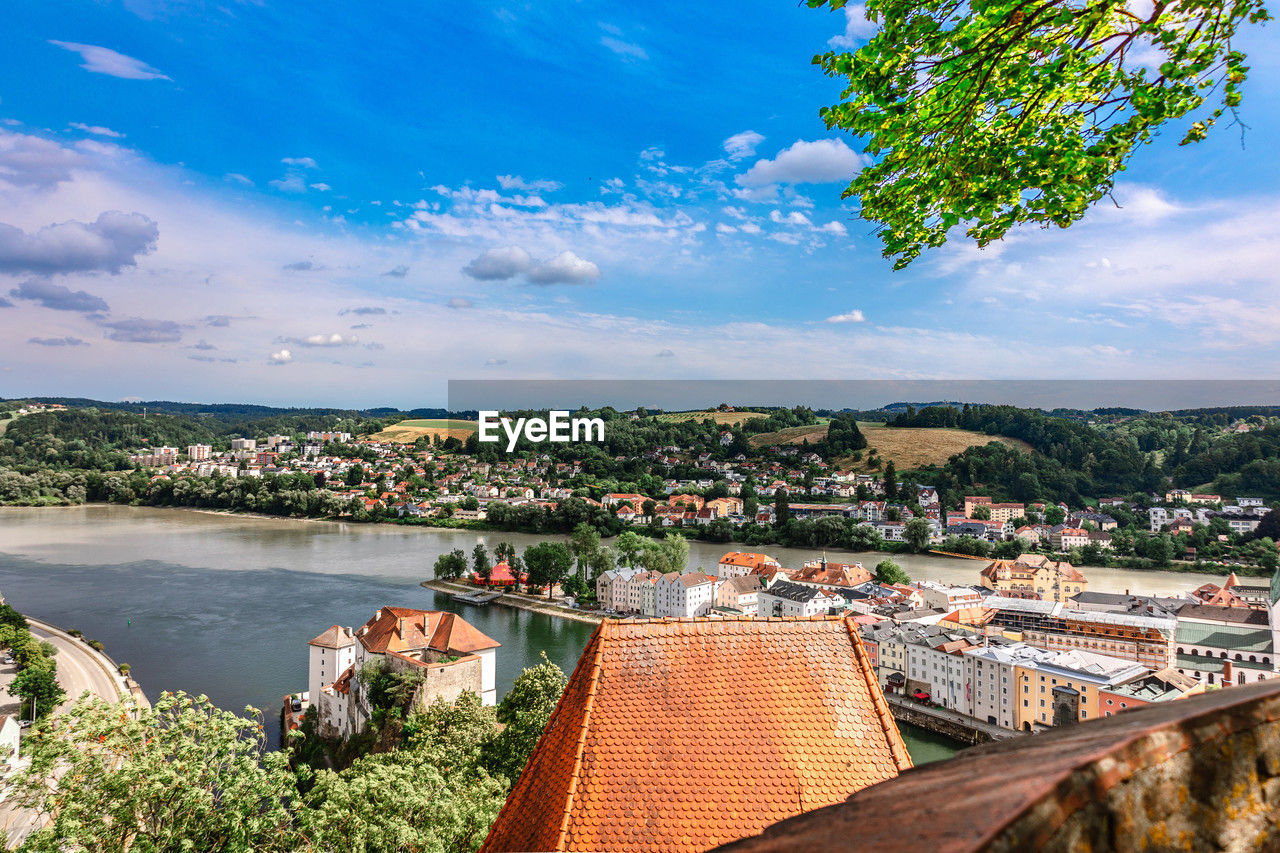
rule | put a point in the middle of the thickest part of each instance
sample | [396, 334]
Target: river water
[224, 605]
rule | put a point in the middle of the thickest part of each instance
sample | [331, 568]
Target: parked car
[8, 658]
[296, 705]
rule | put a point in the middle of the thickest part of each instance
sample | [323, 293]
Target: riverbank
[518, 601]
[125, 686]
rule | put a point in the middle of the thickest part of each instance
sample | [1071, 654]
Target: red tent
[500, 576]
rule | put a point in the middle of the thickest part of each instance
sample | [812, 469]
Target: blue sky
[351, 204]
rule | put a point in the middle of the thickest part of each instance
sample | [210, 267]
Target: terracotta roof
[402, 629]
[747, 559]
[675, 735]
[336, 637]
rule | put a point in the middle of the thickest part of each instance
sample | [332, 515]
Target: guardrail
[126, 687]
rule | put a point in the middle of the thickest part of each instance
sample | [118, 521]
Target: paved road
[78, 671]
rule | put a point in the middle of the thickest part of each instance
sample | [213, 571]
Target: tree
[781, 508]
[480, 562]
[524, 712]
[355, 476]
[451, 565]
[982, 513]
[890, 481]
[670, 554]
[584, 541]
[628, 545]
[183, 775]
[548, 563]
[38, 682]
[990, 115]
[1269, 526]
[889, 572]
[917, 533]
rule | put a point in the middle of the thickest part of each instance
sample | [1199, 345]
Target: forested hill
[239, 411]
[1112, 456]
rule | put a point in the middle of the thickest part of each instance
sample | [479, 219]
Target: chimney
[400, 627]
[377, 614]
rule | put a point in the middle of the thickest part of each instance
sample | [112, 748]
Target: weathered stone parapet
[1201, 773]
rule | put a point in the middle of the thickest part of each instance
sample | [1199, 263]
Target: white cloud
[516, 182]
[237, 178]
[564, 268]
[112, 241]
[854, 316]
[625, 49]
[29, 161]
[332, 340]
[103, 60]
[817, 162]
[795, 217]
[499, 264]
[742, 144]
[459, 302]
[281, 357]
[321, 187]
[857, 29]
[301, 162]
[290, 184]
[96, 130]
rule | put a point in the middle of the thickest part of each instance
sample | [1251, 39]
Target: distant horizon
[835, 395]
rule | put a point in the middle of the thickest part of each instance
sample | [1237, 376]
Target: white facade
[943, 597]
[785, 598]
[943, 671]
[684, 595]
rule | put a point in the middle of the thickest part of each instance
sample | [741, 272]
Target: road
[78, 671]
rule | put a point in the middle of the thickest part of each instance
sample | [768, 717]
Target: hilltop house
[450, 654]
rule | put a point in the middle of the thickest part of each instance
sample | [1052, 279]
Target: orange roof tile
[677, 735]
[336, 637]
[401, 629]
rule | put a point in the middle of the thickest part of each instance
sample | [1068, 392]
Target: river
[224, 605]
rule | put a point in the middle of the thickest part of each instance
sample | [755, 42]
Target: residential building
[1052, 581]
[677, 595]
[740, 594]
[611, 588]
[199, 452]
[449, 653]
[945, 597]
[1063, 687]
[719, 751]
[1146, 638]
[936, 665]
[640, 593]
[1223, 646]
[739, 563]
[786, 598]
[1166, 685]
[1065, 538]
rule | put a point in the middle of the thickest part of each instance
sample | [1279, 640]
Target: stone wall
[1202, 773]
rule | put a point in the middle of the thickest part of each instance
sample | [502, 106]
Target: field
[908, 447]
[407, 432]
[722, 418]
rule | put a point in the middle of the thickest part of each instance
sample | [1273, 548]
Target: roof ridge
[582, 738]
[897, 748]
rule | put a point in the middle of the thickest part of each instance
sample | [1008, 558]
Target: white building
[640, 593]
[683, 595]
[199, 452]
[943, 597]
[244, 444]
[785, 598]
[939, 662]
[611, 588]
[450, 654]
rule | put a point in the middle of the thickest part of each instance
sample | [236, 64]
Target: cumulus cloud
[30, 161]
[58, 342]
[857, 28]
[301, 162]
[818, 162]
[460, 302]
[564, 268]
[742, 144]
[104, 60]
[112, 241]
[142, 331]
[499, 264]
[397, 272]
[96, 130]
[58, 298]
[854, 316]
[281, 357]
[515, 182]
[794, 217]
[511, 261]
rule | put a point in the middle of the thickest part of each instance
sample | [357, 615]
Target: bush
[95, 645]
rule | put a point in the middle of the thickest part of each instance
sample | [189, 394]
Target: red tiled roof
[676, 735]
[336, 637]
[400, 629]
